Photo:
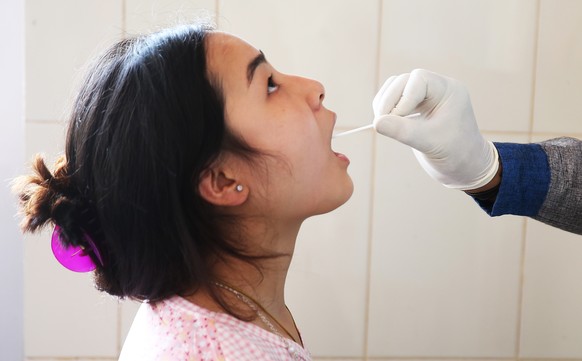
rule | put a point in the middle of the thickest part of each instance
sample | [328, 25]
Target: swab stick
[357, 130]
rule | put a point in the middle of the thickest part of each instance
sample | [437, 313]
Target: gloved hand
[445, 136]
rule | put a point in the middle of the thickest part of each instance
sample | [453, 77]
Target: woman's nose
[315, 93]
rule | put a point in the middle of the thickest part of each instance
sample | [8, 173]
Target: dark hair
[147, 122]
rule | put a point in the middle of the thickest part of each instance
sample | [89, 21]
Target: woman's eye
[271, 86]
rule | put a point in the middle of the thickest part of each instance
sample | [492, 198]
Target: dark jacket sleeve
[562, 207]
[542, 181]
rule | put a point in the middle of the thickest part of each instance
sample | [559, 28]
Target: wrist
[491, 187]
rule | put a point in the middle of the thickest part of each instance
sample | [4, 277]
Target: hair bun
[47, 197]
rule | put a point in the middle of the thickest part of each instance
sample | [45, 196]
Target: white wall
[407, 269]
[11, 161]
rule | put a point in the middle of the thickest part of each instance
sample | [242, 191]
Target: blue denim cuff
[524, 182]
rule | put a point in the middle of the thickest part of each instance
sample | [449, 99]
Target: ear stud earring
[239, 188]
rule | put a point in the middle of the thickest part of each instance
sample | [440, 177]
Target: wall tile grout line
[550, 359]
[45, 121]
[484, 132]
[528, 134]
[534, 67]
[496, 133]
[123, 19]
[216, 12]
[520, 297]
[119, 328]
[431, 358]
[372, 196]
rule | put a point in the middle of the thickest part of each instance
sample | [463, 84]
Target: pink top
[176, 330]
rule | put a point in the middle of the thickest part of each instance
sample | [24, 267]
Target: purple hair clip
[74, 258]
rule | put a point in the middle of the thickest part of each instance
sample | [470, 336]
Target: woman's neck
[263, 281]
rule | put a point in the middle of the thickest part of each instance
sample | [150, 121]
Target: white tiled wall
[551, 316]
[406, 270]
[488, 44]
[148, 15]
[61, 35]
[558, 71]
[12, 148]
[445, 277]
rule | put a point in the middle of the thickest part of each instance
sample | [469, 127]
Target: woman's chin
[341, 198]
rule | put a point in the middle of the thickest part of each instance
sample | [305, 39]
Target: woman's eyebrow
[253, 65]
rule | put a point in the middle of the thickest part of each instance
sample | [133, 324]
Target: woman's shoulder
[178, 309]
[173, 329]
[177, 329]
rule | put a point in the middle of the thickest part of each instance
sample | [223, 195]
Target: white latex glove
[445, 136]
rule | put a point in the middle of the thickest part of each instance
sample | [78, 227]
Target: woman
[190, 165]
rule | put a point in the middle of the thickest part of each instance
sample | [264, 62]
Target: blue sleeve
[525, 180]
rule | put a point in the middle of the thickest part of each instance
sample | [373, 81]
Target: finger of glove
[378, 98]
[414, 93]
[389, 94]
[400, 128]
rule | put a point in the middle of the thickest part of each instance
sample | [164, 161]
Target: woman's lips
[339, 155]
[342, 157]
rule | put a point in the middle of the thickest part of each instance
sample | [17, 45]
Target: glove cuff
[475, 170]
[488, 173]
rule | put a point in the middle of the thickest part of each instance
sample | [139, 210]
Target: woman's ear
[219, 189]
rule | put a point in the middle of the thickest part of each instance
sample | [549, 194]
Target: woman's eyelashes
[271, 85]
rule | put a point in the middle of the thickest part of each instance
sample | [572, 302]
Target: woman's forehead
[228, 60]
[228, 51]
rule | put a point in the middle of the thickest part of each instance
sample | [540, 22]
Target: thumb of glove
[399, 128]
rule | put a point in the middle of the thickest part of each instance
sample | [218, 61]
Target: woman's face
[280, 115]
